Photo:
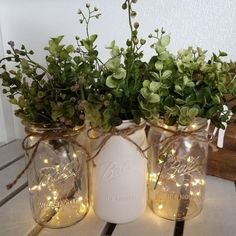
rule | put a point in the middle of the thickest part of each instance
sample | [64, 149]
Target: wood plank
[7, 175]
[1, 144]
[10, 152]
[219, 213]
[15, 216]
[147, 224]
[89, 226]
[223, 162]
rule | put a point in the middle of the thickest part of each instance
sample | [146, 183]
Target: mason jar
[57, 175]
[120, 173]
[177, 169]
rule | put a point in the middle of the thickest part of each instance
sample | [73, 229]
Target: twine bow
[124, 133]
[46, 135]
[176, 134]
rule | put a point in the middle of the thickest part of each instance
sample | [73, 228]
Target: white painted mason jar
[119, 177]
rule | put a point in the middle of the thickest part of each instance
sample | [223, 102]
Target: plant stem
[130, 23]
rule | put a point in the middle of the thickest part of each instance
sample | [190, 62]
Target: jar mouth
[126, 123]
[41, 128]
[197, 123]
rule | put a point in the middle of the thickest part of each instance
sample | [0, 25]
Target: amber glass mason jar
[177, 169]
[57, 176]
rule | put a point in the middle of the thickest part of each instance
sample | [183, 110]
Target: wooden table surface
[218, 217]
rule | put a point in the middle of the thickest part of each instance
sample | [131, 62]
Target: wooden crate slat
[218, 216]
[147, 224]
[15, 216]
[91, 225]
[10, 152]
[8, 175]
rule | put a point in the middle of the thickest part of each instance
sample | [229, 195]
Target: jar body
[57, 179]
[177, 171]
[119, 178]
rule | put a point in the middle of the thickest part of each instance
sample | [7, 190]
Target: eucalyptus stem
[130, 23]
[37, 65]
[86, 22]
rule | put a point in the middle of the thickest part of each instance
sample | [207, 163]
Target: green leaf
[159, 49]
[58, 39]
[223, 54]
[163, 91]
[192, 112]
[180, 101]
[56, 114]
[216, 99]
[154, 86]
[87, 44]
[159, 65]
[93, 38]
[166, 74]
[191, 99]
[190, 84]
[68, 110]
[120, 73]
[178, 87]
[113, 64]
[145, 93]
[112, 44]
[70, 48]
[110, 82]
[165, 40]
[155, 75]
[115, 121]
[154, 98]
[146, 83]
[115, 51]
[169, 101]
[164, 56]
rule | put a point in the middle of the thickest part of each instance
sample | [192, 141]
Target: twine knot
[124, 133]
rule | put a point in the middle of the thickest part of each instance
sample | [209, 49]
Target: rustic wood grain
[223, 163]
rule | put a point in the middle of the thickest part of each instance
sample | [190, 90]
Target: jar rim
[127, 123]
[40, 128]
[197, 122]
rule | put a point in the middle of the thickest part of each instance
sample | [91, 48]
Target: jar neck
[198, 123]
[129, 123]
[42, 129]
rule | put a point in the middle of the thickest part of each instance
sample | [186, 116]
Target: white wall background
[7, 130]
[207, 23]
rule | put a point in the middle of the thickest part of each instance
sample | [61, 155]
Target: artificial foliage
[76, 85]
[181, 87]
[113, 97]
[53, 94]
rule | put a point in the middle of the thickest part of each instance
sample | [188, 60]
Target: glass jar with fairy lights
[177, 169]
[57, 175]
